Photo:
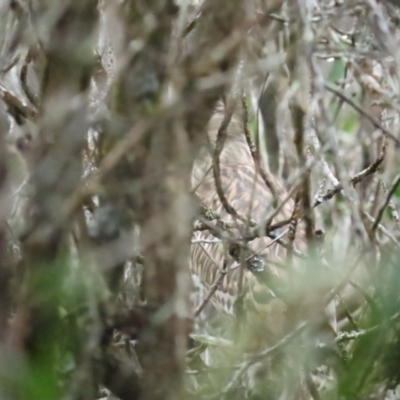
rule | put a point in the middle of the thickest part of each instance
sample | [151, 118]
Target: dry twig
[218, 281]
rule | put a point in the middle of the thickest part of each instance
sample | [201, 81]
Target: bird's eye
[255, 264]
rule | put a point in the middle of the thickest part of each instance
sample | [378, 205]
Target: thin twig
[382, 229]
[219, 145]
[241, 369]
[392, 207]
[348, 313]
[361, 111]
[205, 241]
[209, 255]
[385, 204]
[212, 340]
[24, 82]
[336, 290]
[371, 169]
[293, 228]
[15, 106]
[268, 226]
[324, 165]
[354, 335]
[213, 289]
[194, 190]
[255, 154]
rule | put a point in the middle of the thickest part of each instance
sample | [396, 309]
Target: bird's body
[275, 305]
[250, 196]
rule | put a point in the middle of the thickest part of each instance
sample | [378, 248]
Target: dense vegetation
[104, 107]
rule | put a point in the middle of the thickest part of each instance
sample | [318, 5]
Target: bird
[267, 284]
[248, 193]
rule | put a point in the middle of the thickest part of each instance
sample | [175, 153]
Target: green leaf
[337, 70]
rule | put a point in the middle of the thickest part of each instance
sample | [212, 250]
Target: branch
[15, 106]
[384, 205]
[219, 145]
[392, 207]
[361, 111]
[382, 229]
[218, 281]
[241, 369]
[371, 169]
[254, 152]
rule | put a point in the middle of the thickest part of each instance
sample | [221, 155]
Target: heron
[249, 194]
[263, 289]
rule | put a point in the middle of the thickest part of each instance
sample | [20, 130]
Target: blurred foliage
[99, 219]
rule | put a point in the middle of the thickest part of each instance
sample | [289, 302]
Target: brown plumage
[249, 195]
